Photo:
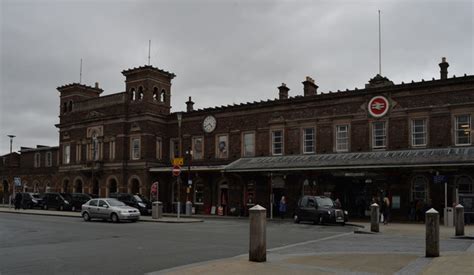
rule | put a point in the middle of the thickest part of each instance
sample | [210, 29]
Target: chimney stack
[283, 91]
[444, 68]
[189, 105]
[309, 87]
[97, 85]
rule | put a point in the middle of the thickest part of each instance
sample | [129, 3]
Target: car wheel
[321, 220]
[61, 208]
[86, 217]
[45, 207]
[114, 218]
[296, 219]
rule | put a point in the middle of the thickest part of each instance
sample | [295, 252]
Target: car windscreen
[324, 202]
[115, 203]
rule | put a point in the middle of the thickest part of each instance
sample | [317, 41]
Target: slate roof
[361, 160]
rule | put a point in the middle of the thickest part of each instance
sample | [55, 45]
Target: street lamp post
[10, 164]
[189, 204]
[178, 182]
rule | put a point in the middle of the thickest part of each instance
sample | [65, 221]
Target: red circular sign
[176, 170]
[378, 106]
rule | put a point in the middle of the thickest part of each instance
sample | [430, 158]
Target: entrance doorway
[95, 188]
[66, 186]
[135, 186]
[78, 184]
[112, 186]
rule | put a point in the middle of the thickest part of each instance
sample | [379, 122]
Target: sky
[223, 52]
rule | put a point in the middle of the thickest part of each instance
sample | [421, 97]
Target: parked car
[136, 201]
[108, 208]
[56, 200]
[31, 200]
[319, 209]
[76, 200]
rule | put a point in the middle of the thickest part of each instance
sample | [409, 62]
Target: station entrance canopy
[463, 156]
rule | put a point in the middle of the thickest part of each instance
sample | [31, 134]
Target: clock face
[209, 124]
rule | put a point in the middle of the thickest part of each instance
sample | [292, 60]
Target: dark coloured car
[76, 200]
[31, 200]
[319, 209]
[57, 201]
[137, 201]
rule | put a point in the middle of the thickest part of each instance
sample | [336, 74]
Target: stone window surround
[371, 126]
[277, 129]
[456, 113]
[66, 153]
[342, 123]
[243, 143]
[303, 137]
[410, 130]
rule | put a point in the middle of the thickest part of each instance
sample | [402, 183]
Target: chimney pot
[444, 68]
[189, 105]
[309, 87]
[97, 85]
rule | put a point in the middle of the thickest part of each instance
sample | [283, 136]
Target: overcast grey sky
[222, 52]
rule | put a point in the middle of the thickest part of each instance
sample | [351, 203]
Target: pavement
[396, 249]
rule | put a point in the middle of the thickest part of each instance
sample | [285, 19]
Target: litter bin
[157, 210]
[448, 216]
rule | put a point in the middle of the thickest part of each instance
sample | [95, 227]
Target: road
[51, 245]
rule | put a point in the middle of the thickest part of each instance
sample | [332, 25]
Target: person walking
[18, 199]
[282, 207]
[386, 209]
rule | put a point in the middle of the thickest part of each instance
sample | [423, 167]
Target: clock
[209, 124]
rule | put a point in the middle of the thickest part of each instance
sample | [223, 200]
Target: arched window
[163, 96]
[140, 93]
[70, 106]
[155, 94]
[133, 94]
[419, 188]
[465, 185]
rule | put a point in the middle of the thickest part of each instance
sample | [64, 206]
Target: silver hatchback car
[107, 208]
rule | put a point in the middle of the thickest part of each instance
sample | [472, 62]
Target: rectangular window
[418, 132]
[277, 142]
[222, 147]
[199, 193]
[112, 150]
[135, 148]
[463, 130]
[159, 148]
[174, 148]
[379, 135]
[78, 153]
[37, 160]
[308, 141]
[198, 148]
[248, 144]
[66, 154]
[49, 159]
[342, 138]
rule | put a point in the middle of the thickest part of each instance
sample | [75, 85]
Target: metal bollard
[432, 233]
[374, 217]
[258, 235]
[189, 208]
[459, 220]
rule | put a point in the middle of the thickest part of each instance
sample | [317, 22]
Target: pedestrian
[337, 204]
[386, 209]
[18, 199]
[282, 207]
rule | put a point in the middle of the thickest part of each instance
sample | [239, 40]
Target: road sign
[176, 170]
[178, 162]
[190, 182]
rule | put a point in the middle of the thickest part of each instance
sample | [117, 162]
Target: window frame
[132, 148]
[67, 153]
[159, 148]
[413, 133]
[457, 130]
[385, 135]
[303, 131]
[272, 138]
[37, 160]
[244, 144]
[336, 137]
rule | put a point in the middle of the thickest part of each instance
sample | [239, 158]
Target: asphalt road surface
[50, 245]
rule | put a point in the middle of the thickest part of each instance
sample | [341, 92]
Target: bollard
[258, 235]
[432, 233]
[374, 217]
[459, 220]
[189, 208]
